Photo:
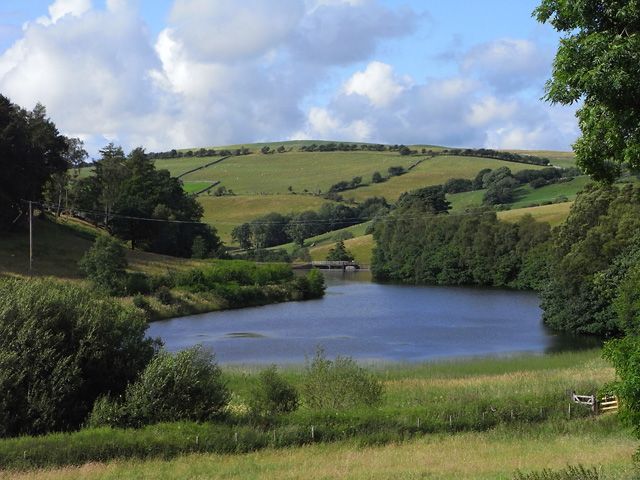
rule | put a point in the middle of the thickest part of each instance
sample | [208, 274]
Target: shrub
[377, 178]
[339, 384]
[164, 295]
[273, 394]
[140, 302]
[183, 386]
[105, 263]
[61, 347]
[311, 285]
[137, 283]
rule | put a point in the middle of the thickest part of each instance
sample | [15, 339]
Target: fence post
[313, 436]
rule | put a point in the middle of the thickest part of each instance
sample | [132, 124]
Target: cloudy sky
[183, 73]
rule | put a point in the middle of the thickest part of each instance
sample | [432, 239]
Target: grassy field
[433, 171]
[193, 187]
[463, 387]
[559, 159]
[554, 214]
[360, 247]
[57, 248]
[275, 173]
[527, 195]
[492, 455]
[225, 213]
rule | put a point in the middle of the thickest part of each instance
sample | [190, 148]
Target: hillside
[245, 187]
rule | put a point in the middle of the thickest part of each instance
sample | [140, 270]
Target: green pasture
[553, 214]
[526, 195]
[275, 173]
[433, 171]
[360, 247]
[225, 213]
[193, 187]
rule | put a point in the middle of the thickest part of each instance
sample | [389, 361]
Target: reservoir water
[373, 322]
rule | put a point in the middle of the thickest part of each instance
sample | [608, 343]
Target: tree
[105, 263]
[339, 253]
[187, 385]
[597, 62]
[31, 150]
[376, 178]
[242, 235]
[61, 347]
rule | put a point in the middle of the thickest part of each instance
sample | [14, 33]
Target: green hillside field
[314, 172]
[433, 171]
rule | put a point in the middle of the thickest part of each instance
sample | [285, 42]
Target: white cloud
[378, 83]
[231, 72]
[341, 32]
[228, 30]
[508, 64]
[490, 109]
[60, 8]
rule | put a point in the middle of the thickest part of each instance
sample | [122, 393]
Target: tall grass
[506, 396]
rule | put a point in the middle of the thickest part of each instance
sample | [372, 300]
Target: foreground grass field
[492, 455]
[517, 387]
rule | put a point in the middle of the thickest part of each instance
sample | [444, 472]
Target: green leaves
[598, 61]
[61, 347]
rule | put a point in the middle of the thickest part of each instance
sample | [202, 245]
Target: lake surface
[373, 322]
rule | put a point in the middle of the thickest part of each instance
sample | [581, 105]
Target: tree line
[277, 229]
[421, 243]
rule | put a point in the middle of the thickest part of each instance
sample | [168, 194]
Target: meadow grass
[193, 187]
[526, 195]
[432, 171]
[553, 214]
[225, 213]
[465, 200]
[275, 173]
[387, 442]
[495, 454]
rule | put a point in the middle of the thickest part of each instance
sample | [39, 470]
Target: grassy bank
[516, 405]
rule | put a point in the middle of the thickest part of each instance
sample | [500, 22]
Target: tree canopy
[31, 150]
[598, 63]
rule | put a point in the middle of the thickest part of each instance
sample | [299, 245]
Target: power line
[262, 223]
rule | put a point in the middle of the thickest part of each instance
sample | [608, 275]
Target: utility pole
[30, 236]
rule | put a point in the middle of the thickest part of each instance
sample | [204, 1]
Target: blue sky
[184, 73]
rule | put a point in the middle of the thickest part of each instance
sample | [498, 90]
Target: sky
[168, 74]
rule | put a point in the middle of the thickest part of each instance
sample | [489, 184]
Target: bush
[140, 302]
[137, 283]
[164, 295]
[311, 285]
[183, 386]
[339, 384]
[105, 263]
[273, 394]
[61, 347]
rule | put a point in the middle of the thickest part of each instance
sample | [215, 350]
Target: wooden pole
[30, 236]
